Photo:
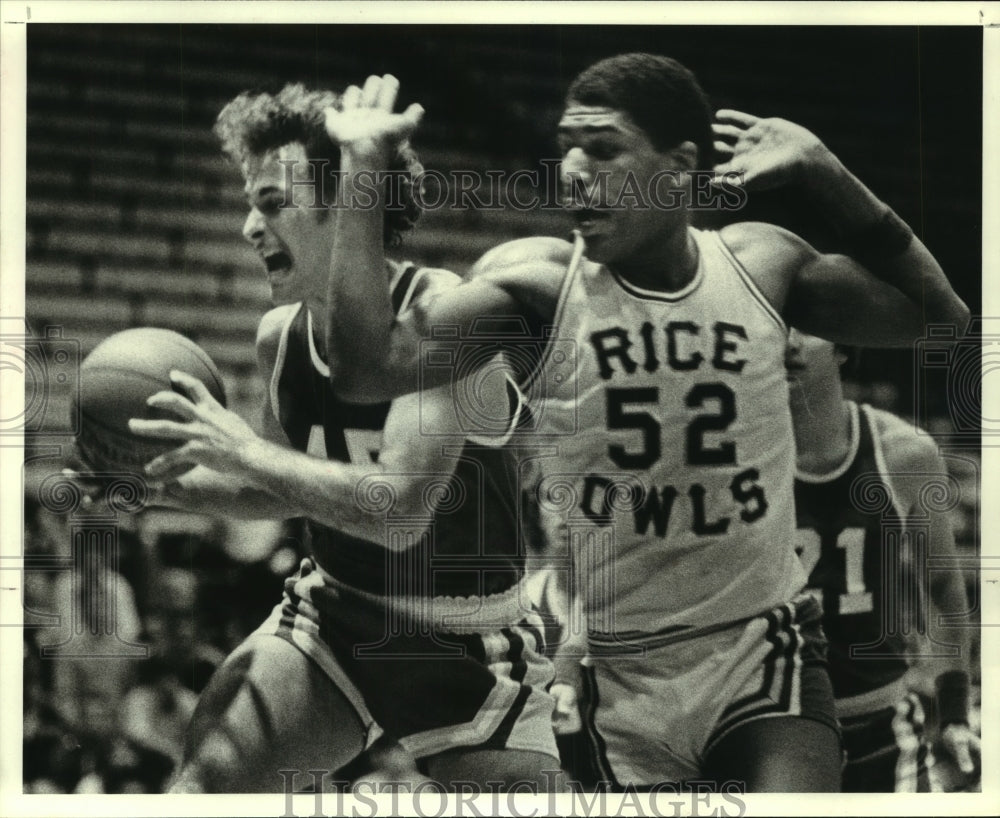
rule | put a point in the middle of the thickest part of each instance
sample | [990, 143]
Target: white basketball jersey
[673, 482]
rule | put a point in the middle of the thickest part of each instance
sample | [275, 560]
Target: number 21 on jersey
[808, 544]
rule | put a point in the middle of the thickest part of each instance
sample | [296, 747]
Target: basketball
[117, 377]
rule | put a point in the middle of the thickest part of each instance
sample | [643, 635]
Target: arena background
[133, 219]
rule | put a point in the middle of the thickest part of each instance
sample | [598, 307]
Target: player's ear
[685, 155]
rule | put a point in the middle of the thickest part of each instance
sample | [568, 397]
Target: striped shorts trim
[778, 693]
[431, 688]
[886, 750]
[656, 717]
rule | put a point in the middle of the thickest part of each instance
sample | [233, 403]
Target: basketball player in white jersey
[671, 419]
[460, 682]
[862, 480]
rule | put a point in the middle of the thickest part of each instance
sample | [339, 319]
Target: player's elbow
[396, 511]
[959, 313]
[416, 503]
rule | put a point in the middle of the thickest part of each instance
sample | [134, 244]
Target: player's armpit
[430, 332]
[510, 282]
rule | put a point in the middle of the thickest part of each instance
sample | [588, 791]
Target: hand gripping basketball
[211, 435]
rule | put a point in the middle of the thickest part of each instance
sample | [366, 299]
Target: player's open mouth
[279, 262]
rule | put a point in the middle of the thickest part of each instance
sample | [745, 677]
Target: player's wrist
[818, 168]
[869, 230]
[951, 690]
[256, 459]
[365, 155]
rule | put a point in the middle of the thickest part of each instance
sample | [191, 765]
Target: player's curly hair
[660, 95]
[256, 122]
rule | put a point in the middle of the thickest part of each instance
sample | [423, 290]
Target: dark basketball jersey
[472, 547]
[855, 563]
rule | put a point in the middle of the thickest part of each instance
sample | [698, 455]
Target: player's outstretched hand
[366, 127]
[211, 435]
[768, 153]
[962, 745]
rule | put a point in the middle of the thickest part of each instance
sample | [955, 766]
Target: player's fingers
[369, 93]
[194, 388]
[736, 117]
[402, 125]
[963, 757]
[163, 482]
[729, 178]
[414, 114]
[385, 95]
[332, 122]
[727, 131]
[173, 402]
[168, 465]
[972, 750]
[166, 429]
[162, 492]
[726, 169]
[723, 147]
[351, 98]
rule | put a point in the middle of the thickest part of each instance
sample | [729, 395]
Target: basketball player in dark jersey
[677, 398]
[861, 481]
[407, 620]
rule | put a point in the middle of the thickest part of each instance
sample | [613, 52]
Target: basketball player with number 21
[704, 658]
[863, 477]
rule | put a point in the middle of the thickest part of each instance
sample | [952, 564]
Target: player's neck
[669, 265]
[822, 427]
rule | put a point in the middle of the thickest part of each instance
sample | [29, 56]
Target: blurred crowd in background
[105, 721]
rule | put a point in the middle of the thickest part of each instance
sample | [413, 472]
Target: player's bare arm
[916, 466]
[293, 484]
[375, 355]
[521, 278]
[367, 131]
[887, 281]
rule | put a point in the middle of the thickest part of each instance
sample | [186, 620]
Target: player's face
[811, 361]
[293, 238]
[618, 187]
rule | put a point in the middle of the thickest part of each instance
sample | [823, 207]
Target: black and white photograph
[502, 408]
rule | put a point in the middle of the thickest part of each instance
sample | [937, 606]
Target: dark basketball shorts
[655, 717]
[433, 674]
[886, 749]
